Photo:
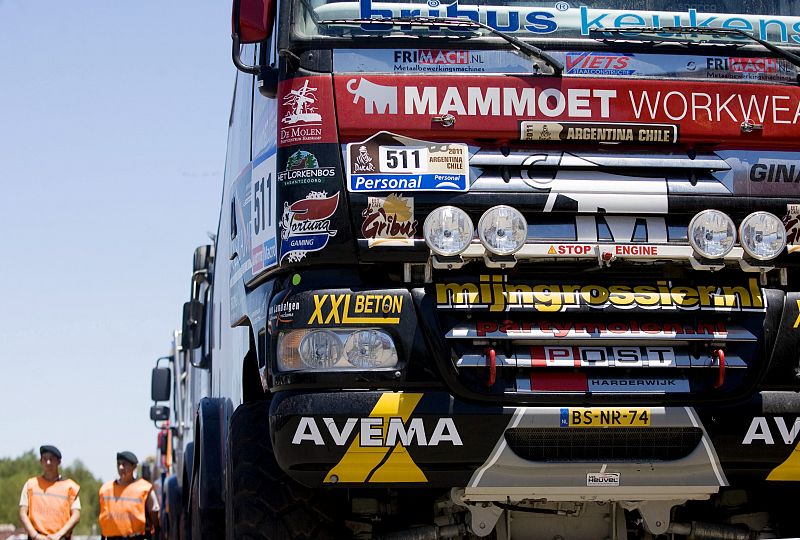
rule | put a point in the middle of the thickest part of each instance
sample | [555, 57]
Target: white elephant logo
[377, 98]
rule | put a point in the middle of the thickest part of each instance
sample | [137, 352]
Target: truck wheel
[264, 503]
[205, 524]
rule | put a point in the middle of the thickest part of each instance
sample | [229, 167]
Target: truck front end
[534, 263]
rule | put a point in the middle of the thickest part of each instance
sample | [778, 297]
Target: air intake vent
[603, 444]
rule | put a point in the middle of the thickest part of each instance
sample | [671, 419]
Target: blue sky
[113, 124]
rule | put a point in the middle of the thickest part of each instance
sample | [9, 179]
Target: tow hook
[720, 356]
[492, 357]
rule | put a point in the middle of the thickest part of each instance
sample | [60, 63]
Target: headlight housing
[333, 349]
[762, 235]
[712, 234]
[503, 230]
[448, 231]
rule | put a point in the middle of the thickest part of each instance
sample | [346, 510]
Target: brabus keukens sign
[562, 17]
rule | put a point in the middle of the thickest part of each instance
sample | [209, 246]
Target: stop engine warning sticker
[389, 162]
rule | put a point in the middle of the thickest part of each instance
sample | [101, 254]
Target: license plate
[605, 417]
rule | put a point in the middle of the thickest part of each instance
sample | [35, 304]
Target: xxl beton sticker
[356, 309]
[389, 162]
[389, 221]
[306, 225]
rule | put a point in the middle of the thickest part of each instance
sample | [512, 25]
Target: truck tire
[205, 524]
[264, 503]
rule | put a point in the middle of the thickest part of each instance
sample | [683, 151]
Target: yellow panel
[789, 469]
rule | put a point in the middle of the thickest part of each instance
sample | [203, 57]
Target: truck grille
[604, 444]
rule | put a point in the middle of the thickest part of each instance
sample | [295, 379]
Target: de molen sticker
[598, 132]
[792, 223]
[306, 111]
[303, 168]
[389, 162]
[306, 225]
[389, 221]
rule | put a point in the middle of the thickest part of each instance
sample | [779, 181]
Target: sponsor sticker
[303, 168]
[389, 221]
[592, 63]
[495, 293]
[440, 61]
[306, 225]
[305, 111]
[604, 417]
[388, 162]
[598, 132]
[356, 309]
[610, 385]
[602, 479]
[792, 223]
[284, 312]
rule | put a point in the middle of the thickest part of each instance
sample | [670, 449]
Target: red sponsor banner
[547, 109]
[305, 111]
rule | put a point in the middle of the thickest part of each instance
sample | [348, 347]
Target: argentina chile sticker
[389, 162]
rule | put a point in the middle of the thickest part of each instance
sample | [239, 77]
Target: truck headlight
[318, 349]
[370, 349]
[763, 235]
[448, 231]
[712, 234]
[503, 230]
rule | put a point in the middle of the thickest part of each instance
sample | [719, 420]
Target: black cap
[45, 448]
[130, 457]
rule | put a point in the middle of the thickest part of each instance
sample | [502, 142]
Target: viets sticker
[389, 221]
[389, 162]
[306, 225]
[306, 111]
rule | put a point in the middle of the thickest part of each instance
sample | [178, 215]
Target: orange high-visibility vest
[49, 503]
[122, 508]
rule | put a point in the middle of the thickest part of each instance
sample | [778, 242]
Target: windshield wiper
[529, 50]
[700, 31]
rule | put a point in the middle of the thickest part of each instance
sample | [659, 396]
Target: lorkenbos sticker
[389, 162]
[598, 132]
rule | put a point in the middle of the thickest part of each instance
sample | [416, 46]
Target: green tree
[15, 471]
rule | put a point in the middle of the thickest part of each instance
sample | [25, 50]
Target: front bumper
[416, 439]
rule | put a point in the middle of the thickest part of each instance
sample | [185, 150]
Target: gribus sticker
[792, 223]
[496, 293]
[389, 162]
[389, 221]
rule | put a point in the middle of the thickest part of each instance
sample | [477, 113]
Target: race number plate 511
[605, 417]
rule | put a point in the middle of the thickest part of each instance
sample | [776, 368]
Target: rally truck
[179, 382]
[506, 269]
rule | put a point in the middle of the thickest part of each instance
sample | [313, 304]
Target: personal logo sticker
[388, 162]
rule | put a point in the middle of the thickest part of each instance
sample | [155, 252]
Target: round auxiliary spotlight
[712, 234]
[503, 230]
[448, 231]
[762, 235]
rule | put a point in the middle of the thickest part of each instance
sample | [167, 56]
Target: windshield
[777, 21]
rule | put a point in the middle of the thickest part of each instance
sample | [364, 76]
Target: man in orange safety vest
[126, 504]
[49, 507]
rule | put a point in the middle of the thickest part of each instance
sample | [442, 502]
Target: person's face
[125, 469]
[49, 463]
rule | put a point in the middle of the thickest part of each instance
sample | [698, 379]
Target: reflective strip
[113, 498]
[45, 494]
